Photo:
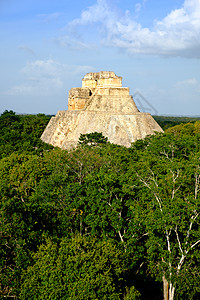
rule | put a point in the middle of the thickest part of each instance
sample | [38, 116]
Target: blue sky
[48, 46]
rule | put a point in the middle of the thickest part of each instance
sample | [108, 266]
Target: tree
[22, 133]
[92, 139]
[171, 212]
[24, 220]
[80, 268]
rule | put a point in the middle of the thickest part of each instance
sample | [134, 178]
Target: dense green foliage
[167, 121]
[80, 268]
[21, 133]
[101, 221]
[182, 129]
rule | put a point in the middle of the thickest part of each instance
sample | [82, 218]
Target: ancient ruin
[100, 105]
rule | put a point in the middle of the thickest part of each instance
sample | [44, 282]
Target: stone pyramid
[100, 105]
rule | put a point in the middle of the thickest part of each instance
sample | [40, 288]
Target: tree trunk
[165, 288]
[171, 292]
[168, 290]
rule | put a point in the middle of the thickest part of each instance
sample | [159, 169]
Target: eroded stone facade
[101, 105]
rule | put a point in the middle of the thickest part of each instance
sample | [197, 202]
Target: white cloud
[81, 70]
[188, 82]
[19, 90]
[139, 6]
[96, 13]
[178, 34]
[46, 77]
[43, 69]
[27, 49]
[43, 76]
[189, 86]
[73, 44]
[52, 70]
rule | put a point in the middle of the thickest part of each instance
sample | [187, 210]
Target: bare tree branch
[178, 240]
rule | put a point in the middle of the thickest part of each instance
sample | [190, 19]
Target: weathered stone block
[80, 93]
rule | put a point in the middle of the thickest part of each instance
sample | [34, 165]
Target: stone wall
[101, 79]
[78, 97]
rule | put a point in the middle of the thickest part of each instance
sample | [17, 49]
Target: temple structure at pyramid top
[100, 105]
[102, 79]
